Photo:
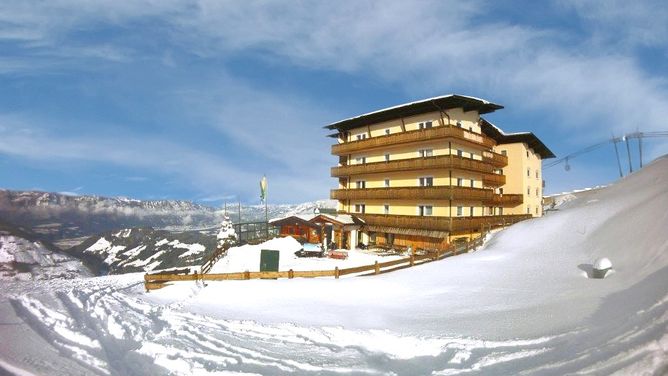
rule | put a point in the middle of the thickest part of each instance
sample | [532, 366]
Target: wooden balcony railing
[420, 135]
[493, 180]
[452, 225]
[411, 164]
[495, 159]
[487, 196]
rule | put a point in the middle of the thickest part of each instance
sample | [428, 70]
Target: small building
[341, 229]
[299, 226]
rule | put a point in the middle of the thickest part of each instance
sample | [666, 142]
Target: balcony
[495, 159]
[412, 164]
[487, 196]
[493, 180]
[451, 225]
[441, 132]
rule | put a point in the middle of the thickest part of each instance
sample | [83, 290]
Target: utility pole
[628, 151]
[619, 163]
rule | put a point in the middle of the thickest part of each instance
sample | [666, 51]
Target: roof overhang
[441, 103]
[494, 132]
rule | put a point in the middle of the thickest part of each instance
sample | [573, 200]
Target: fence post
[246, 274]
[376, 267]
[336, 272]
[412, 259]
[291, 274]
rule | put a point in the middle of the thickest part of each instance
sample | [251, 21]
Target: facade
[431, 172]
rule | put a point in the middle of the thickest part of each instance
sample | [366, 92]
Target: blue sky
[197, 100]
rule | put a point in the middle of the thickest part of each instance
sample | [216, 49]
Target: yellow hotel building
[432, 172]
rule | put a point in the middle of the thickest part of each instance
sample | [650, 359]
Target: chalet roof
[443, 102]
[494, 132]
[303, 220]
[408, 231]
[339, 219]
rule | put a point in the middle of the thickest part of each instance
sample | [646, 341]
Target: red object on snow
[341, 255]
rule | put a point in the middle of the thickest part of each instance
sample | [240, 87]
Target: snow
[247, 258]
[518, 305]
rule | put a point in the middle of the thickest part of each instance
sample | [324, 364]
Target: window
[361, 136]
[471, 129]
[425, 124]
[459, 182]
[500, 211]
[528, 191]
[527, 154]
[387, 183]
[426, 152]
[425, 210]
[387, 157]
[537, 175]
[459, 123]
[471, 211]
[360, 160]
[360, 184]
[472, 183]
[359, 208]
[536, 210]
[387, 131]
[501, 191]
[504, 152]
[386, 209]
[459, 153]
[528, 172]
[460, 211]
[529, 209]
[426, 181]
[537, 192]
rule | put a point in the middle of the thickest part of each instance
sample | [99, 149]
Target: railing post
[336, 272]
[376, 267]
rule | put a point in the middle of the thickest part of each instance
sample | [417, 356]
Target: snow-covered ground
[247, 257]
[521, 304]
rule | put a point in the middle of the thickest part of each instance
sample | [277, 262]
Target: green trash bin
[269, 260]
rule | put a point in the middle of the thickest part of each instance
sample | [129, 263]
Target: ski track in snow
[107, 326]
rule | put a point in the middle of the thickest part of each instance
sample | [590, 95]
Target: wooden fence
[156, 281]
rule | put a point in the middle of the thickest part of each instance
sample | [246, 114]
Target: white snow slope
[523, 304]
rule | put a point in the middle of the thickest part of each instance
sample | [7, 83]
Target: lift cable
[637, 135]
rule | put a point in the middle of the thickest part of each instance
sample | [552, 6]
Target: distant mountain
[24, 258]
[144, 250]
[54, 216]
[68, 220]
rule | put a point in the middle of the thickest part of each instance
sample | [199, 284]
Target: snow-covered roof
[303, 217]
[442, 102]
[502, 137]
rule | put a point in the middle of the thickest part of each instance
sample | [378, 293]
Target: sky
[197, 100]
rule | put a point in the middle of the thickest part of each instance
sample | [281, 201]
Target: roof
[294, 220]
[339, 219]
[443, 102]
[409, 231]
[492, 131]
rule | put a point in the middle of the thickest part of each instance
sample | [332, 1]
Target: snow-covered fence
[156, 281]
